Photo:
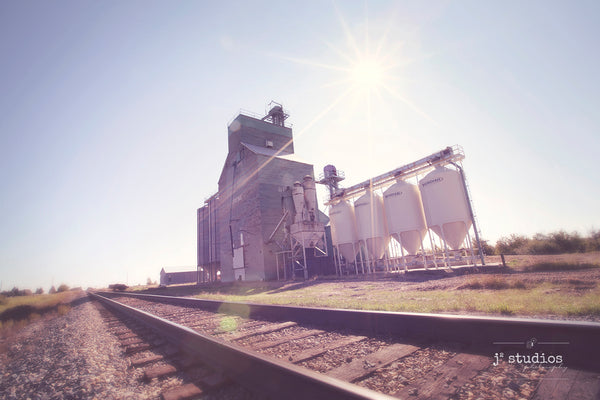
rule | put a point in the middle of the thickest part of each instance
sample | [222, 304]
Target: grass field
[533, 263]
[563, 287]
[17, 311]
[490, 295]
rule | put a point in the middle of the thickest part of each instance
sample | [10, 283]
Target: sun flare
[369, 70]
[367, 73]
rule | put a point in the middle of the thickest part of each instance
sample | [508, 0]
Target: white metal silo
[404, 215]
[370, 223]
[343, 229]
[445, 205]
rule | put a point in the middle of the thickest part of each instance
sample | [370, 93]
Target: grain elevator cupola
[276, 115]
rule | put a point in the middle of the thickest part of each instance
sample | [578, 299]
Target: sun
[370, 70]
[367, 73]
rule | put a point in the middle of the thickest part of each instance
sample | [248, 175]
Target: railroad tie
[454, 373]
[146, 361]
[131, 341]
[317, 351]
[123, 331]
[221, 330]
[277, 342]
[264, 330]
[137, 348]
[185, 392]
[360, 367]
[159, 371]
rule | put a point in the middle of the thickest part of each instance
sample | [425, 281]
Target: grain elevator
[264, 222]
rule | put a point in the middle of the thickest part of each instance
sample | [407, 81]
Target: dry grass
[514, 295]
[557, 266]
[567, 261]
[564, 291]
[18, 311]
[37, 301]
[488, 282]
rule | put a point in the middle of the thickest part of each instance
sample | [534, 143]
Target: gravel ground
[75, 356]
[69, 357]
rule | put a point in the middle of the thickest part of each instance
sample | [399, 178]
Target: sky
[114, 114]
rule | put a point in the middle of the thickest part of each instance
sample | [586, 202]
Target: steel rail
[265, 375]
[576, 341]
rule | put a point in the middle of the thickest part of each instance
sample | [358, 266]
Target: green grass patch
[501, 308]
[587, 309]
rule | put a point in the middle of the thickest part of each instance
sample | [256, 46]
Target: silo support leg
[470, 244]
[355, 259]
[446, 257]
[422, 250]
[362, 258]
[403, 258]
[432, 250]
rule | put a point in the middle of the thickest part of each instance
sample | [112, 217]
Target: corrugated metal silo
[343, 229]
[445, 205]
[404, 215]
[370, 223]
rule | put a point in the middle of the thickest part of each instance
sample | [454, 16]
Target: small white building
[177, 276]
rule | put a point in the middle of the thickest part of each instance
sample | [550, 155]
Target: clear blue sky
[113, 115]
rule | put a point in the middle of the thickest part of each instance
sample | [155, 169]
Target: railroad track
[296, 352]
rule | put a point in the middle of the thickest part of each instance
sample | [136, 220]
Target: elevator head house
[263, 223]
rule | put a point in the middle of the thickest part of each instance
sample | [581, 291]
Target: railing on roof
[254, 115]
[247, 113]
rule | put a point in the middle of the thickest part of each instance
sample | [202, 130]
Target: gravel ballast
[69, 357]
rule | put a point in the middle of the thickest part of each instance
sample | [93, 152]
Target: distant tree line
[553, 243]
[15, 291]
